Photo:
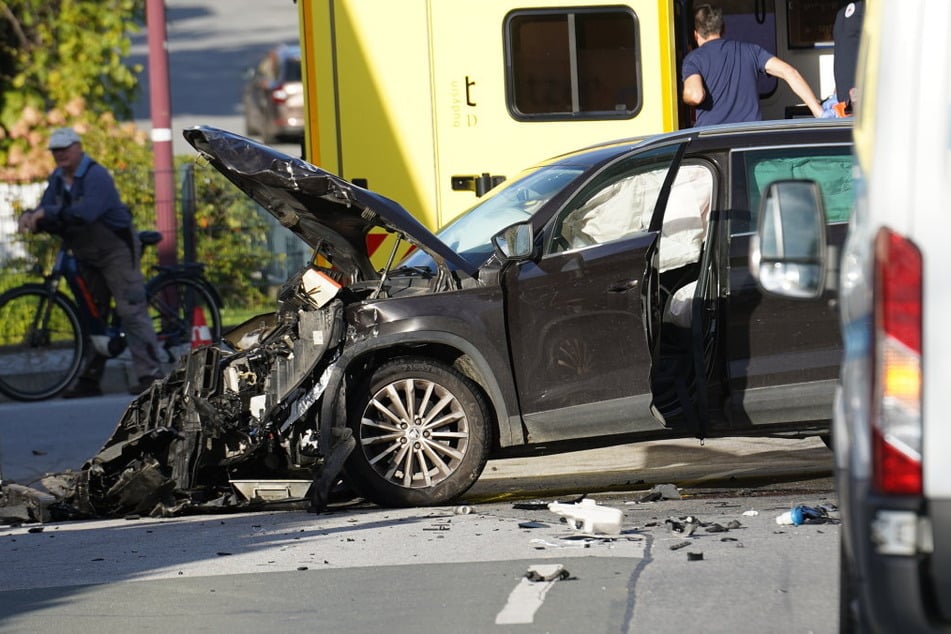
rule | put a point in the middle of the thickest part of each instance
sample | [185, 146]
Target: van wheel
[422, 432]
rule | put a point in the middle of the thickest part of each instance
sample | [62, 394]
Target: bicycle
[45, 334]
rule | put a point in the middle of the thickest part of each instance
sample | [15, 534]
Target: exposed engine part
[242, 410]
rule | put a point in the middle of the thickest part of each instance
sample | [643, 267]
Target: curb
[117, 378]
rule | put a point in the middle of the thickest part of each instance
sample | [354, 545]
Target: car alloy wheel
[421, 430]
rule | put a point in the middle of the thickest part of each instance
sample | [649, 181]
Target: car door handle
[622, 286]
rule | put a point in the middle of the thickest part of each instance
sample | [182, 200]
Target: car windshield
[470, 235]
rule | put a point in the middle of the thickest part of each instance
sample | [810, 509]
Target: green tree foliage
[230, 239]
[62, 64]
[52, 51]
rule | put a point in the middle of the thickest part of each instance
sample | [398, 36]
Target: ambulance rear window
[573, 63]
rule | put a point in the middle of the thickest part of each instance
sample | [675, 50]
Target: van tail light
[896, 401]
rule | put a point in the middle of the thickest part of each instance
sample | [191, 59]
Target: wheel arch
[357, 361]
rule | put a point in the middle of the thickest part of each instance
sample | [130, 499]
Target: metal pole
[160, 107]
[188, 212]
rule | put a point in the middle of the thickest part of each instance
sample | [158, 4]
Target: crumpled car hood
[329, 213]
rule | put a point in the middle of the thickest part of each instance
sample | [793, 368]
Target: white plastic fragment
[751, 513]
[589, 517]
[784, 519]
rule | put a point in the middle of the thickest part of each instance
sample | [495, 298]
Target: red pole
[161, 110]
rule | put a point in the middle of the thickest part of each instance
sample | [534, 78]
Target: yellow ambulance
[432, 102]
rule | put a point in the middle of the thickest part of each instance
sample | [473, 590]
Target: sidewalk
[117, 378]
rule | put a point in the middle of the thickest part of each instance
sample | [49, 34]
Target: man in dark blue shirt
[720, 75]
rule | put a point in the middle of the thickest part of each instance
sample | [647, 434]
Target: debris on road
[542, 505]
[544, 573]
[589, 517]
[802, 514]
[20, 503]
[661, 492]
[686, 525]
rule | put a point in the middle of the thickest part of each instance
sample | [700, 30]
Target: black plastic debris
[531, 506]
[544, 574]
[541, 505]
[694, 556]
[685, 526]
[661, 492]
[20, 503]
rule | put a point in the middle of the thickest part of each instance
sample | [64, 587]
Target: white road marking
[528, 596]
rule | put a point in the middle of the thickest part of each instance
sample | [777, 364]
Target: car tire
[422, 432]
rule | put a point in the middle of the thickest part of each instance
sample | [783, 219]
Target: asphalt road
[426, 570]
[210, 45]
[361, 568]
[56, 435]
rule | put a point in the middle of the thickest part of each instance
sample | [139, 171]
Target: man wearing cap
[82, 205]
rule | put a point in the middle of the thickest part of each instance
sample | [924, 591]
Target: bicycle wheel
[41, 343]
[174, 304]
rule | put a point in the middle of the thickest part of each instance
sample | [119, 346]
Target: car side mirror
[788, 252]
[514, 242]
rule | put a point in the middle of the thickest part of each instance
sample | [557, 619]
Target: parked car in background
[601, 297]
[273, 96]
[890, 432]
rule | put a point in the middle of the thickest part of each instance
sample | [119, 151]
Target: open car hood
[328, 212]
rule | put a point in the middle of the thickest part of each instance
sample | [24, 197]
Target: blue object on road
[799, 514]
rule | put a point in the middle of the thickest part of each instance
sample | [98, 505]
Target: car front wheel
[422, 432]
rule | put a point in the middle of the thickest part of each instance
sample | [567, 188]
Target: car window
[686, 217]
[829, 166]
[470, 235]
[618, 203]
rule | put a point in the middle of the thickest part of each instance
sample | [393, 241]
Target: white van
[892, 421]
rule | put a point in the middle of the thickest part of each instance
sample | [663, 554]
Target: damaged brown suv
[601, 297]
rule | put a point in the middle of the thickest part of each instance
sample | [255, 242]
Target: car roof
[741, 133]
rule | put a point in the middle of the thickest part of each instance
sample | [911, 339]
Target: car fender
[501, 396]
